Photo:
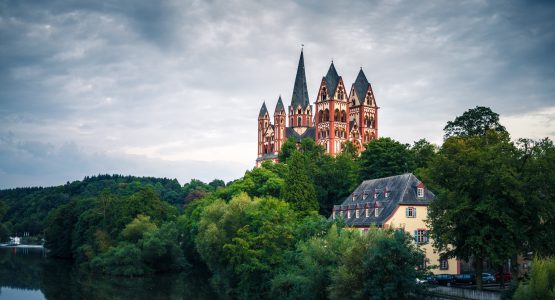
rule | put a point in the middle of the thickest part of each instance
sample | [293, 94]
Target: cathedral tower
[265, 134]
[363, 114]
[279, 125]
[300, 110]
[332, 110]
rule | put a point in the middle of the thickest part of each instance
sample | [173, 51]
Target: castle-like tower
[339, 117]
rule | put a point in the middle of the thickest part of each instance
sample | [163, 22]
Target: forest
[267, 234]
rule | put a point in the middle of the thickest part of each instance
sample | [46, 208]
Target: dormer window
[386, 193]
[333, 213]
[376, 195]
[353, 196]
[376, 210]
[348, 213]
[357, 213]
[420, 192]
[364, 195]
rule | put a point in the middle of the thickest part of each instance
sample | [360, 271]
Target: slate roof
[300, 92]
[332, 80]
[361, 86]
[266, 156]
[309, 133]
[401, 188]
[279, 105]
[263, 110]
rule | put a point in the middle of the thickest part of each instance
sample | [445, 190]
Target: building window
[333, 214]
[376, 212]
[420, 192]
[348, 214]
[410, 212]
[357, 214]
[421, 236]
[443, 264]
[366, 212]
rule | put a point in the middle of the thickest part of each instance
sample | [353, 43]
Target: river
[28, 274]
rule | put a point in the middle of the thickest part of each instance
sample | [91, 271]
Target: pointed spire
[279, 106]
[361, 85]
[263, 110]
[332, 79]
[300, 92]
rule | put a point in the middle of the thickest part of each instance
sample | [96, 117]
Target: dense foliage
[541, 284]
[495, 199]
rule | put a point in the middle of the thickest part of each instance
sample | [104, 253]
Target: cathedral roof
[263, 110]
[361, 86]
[401, 189]
[290, 132]
[279, 105]
[332, 80]
[300, 92]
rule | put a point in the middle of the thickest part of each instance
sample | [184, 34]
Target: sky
[173, 88]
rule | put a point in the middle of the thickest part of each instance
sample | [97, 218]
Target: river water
[28, 274]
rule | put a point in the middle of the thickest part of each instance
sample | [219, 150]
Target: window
[299, 121]
[410, 212]
[376, 212]
[421, 236]
[420, 192]
[333, 214]
[353, 196]
[348, 214]
[443, 264]
[386, 194]
[366, 212]
[357, 214]
[364, 194]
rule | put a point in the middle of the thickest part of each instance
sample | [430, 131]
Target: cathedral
[337, 116]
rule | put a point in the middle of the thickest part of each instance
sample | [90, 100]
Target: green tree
[479, 199]
[475, 121]
[385, 157]
[299, 189]
[140, 226]
[243, 242]
[287, 149]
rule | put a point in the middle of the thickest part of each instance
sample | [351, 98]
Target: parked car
[464, 279]
[487, 278]
[429, 279]
[442, 279]
[507, 276]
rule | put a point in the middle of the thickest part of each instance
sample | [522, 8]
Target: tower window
[299, 121]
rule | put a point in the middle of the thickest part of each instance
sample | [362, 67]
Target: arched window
[371, 125]
[343, 116]
[366, 123]
[320, 116]
[299, 111]
[299, 121]
[326, 115]
[336, 115]
[324, 94]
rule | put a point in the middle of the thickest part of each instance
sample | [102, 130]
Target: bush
[542, 281]
[123, 260]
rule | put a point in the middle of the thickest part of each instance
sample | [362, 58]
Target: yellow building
[399, 202]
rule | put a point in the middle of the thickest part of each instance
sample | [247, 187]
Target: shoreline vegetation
[267, 234]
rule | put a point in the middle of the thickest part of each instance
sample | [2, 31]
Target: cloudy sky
[173, 88]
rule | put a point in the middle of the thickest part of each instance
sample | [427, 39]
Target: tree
[475, 121]
[542, 281]
[479, 199]
[384, 157]
[299, 189]
[423, 152]
[287, 149]
[140, 226]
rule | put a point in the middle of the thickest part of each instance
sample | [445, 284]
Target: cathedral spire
[279, 106]
[361, 86]
[300, 92]
[263, 111]
[332, 79]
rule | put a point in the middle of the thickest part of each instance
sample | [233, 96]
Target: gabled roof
[279, 106]
[361, 86]
[310, 132]
[263, 110]
[300, 92]
[332, 80]
[401, 190]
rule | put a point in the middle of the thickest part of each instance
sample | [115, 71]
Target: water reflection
[28, 272]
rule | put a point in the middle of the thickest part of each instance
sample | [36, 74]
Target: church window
[343, 116]
[326, 115]
[336, 115]
[299, 111]
[299, 121]
[320, 116]
[353, 102]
